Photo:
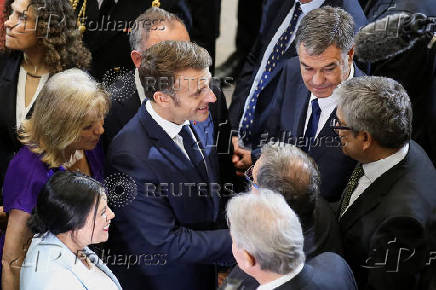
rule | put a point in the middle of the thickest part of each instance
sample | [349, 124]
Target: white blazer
[50, 265]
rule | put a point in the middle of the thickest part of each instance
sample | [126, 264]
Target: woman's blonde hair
[68, 102]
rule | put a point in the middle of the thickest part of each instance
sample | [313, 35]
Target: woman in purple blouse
[63, 134]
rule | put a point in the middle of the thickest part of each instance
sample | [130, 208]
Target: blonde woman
[63, 134]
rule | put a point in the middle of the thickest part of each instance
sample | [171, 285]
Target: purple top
[26, 176]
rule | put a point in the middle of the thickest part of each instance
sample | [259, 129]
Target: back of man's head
[288, 170]
[379, 106]
[161, 62]
[262, 224]
[324, 27]
[153, 20]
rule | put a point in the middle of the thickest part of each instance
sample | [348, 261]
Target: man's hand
[241, 157]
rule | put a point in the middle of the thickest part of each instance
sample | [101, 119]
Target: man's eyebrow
[331, 64]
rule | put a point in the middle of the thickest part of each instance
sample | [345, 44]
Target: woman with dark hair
[70, 214]
[62, 134]
[41, 38]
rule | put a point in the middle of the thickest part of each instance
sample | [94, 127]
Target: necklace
[81, 15]
[33, 76]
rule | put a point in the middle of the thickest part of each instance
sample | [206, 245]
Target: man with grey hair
[288, 170]
[387, 212]
[302, 108]
[267, 243]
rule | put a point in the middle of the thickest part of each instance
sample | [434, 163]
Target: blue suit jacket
[274, 12]
[172, 217]
[282, 118]
[50, 265]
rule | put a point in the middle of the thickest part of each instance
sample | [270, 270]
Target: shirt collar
[139, 86]
[332, 101]
[307, 7]
[282, 280]
[170, 128]
[374, 170]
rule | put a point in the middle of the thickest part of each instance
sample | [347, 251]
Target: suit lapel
[317, 151]
[166, 146]
[297, 115]
[101, 265]
[371, 197]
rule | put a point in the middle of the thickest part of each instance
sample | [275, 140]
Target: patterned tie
[351, 186]
[312, 125]
[192, 149]
[277, 52]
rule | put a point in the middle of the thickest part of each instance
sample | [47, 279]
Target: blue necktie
[279, 49]
[193, 150]
[312, 125]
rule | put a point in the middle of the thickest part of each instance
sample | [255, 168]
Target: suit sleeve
[149, 223]
[400, 244]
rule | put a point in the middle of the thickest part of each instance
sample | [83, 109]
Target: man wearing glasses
[386, 214]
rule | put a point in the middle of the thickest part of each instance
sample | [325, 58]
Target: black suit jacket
[280, 116]
[274, 13]
[9, 144]
[390, 230]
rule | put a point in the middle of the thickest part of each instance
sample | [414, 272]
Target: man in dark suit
[127, 92]
[268, 245]
[277, 32]
[299, 109]
[291, 172]
[387, 210]
[173, 212]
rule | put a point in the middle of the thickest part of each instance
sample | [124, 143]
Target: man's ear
[366, 139]
[136, 58]
[350, 55]
[249, 259]
[162, 99]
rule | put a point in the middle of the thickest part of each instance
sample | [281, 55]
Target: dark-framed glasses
[249, 176]
[336, 125]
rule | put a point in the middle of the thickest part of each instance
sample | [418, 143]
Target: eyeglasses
[336, 125]
[249, 176]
